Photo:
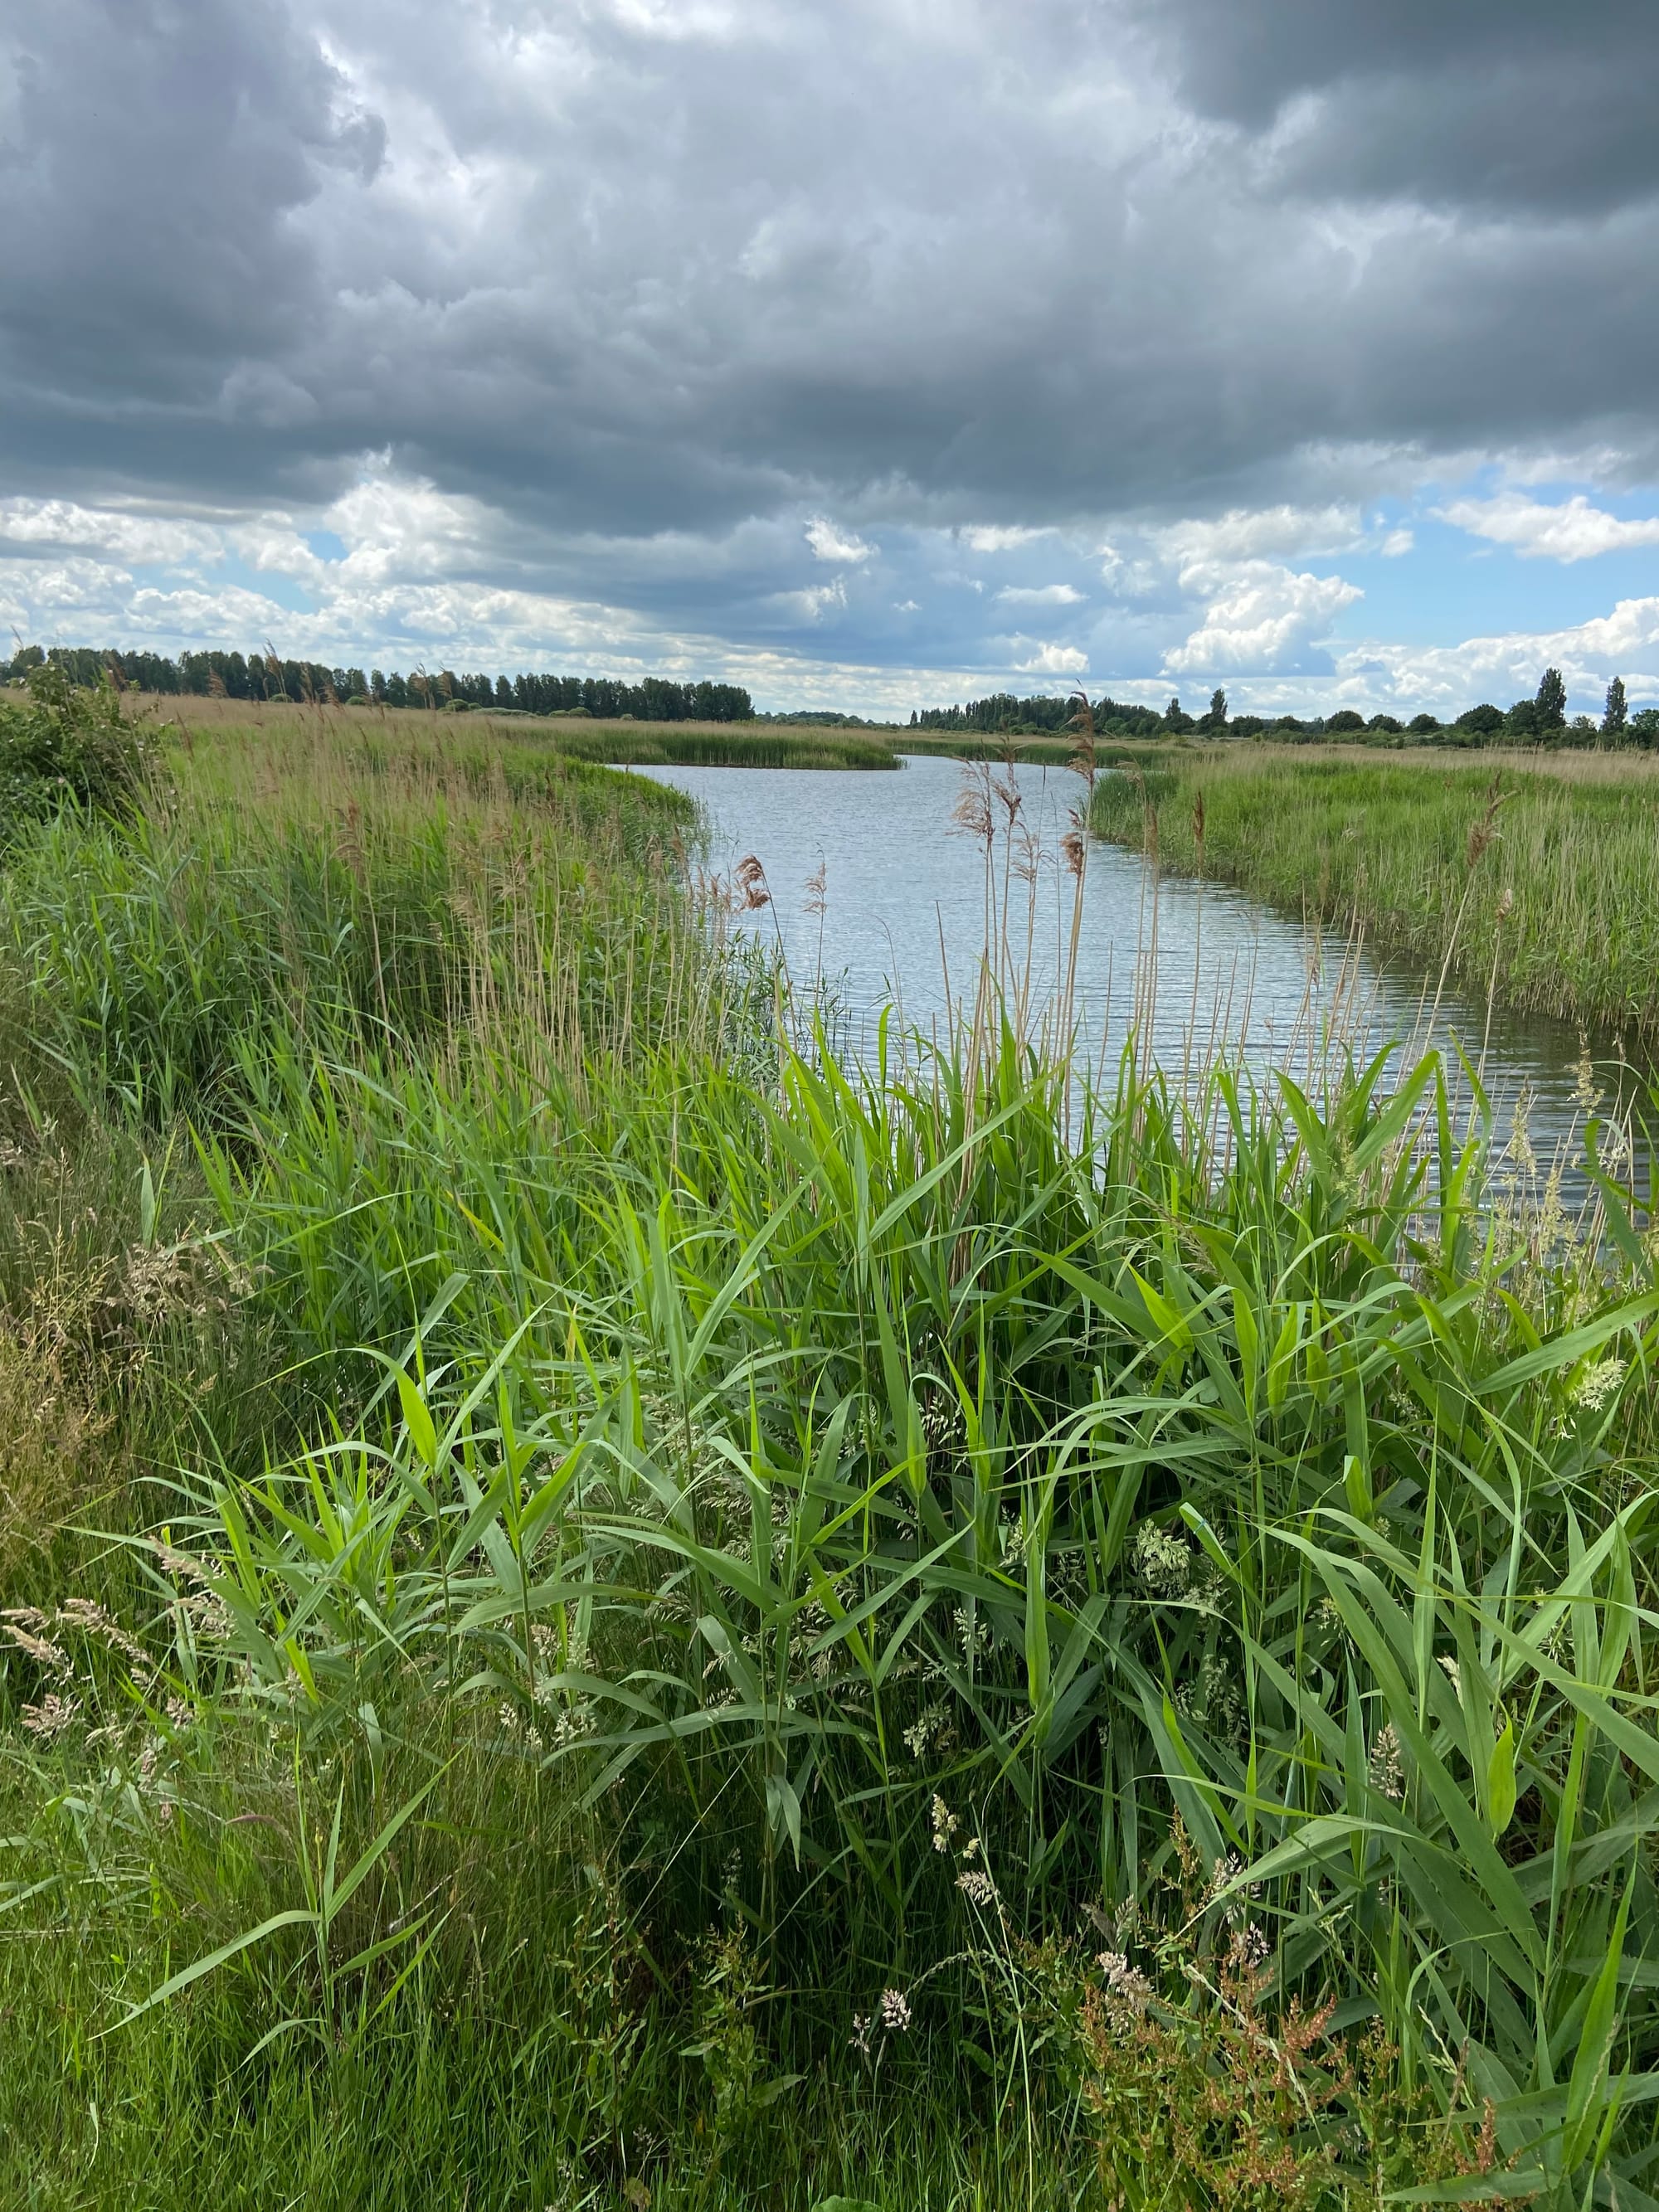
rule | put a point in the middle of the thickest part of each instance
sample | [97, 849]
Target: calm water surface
[904, 924]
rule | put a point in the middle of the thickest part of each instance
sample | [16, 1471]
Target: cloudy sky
[871, 352]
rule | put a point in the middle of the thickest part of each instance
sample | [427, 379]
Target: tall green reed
[861, 1458]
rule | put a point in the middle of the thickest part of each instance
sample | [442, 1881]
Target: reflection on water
[903, 921]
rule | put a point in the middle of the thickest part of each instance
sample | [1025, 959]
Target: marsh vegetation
[601, 1608]
[1532, 881]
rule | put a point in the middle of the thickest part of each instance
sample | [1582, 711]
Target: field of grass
[528, 738]
[1533, 878]
[598, 1610]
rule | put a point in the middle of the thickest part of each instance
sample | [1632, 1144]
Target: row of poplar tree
[267, 675]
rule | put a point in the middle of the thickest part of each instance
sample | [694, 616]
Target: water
[903, 923]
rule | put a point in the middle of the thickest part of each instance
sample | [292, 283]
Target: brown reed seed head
[1482, 832]
[971, 815]
[750, 880]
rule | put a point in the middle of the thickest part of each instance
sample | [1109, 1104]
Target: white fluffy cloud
[828, 543]
[1052, 660]
[1265, 620]
[1506, 665]
[1573, 531]
[394, 570]
[127, 534]
[1041, 595]
[1243, 534]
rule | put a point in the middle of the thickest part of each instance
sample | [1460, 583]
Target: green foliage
[1481, 721]
[771, 1632]
[1556, 911]
[1552, 699]
[68, 748]
[264, 675]
[1524, 721]
[1617, 715]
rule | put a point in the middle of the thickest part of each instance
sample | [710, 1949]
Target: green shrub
[68, 746]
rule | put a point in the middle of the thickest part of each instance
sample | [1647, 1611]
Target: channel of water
[902, 915]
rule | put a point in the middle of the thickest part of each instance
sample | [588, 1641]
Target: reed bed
[672, 1622]
[266, 725]
[1534, 886]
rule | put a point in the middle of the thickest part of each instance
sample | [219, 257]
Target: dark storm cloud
[1505, 105]
[152, 154]
[627, 267]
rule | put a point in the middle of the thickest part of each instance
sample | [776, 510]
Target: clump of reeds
[1417, 855]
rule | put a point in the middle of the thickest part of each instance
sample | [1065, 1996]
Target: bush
[1344, 720]
[1422, 725]
[68, 747]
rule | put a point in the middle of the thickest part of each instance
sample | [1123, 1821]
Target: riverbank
[1533, 882]
[575, 737]
[595, 1613]
[622, 744]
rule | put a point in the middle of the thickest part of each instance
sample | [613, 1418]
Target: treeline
[1541, 720]
[1002, 711]
[267, 675]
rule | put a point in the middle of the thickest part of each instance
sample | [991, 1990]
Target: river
[900, 920]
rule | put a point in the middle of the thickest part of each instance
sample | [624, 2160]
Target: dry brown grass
[56, 1454]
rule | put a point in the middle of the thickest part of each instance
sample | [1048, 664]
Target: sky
[872, 354]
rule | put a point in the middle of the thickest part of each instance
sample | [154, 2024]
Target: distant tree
[1175, 720]
[1551, 701]
[1524, 721]
[1423, 725]
[1390, 726]
[1343, 720]
[1618, 712]
[1216, 717]
[1644, 725]
[1481, 721]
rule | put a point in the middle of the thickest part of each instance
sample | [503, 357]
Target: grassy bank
[269, 725]
[1057, 751]
[603, 1612]
[263, 725]
[1535, 882]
